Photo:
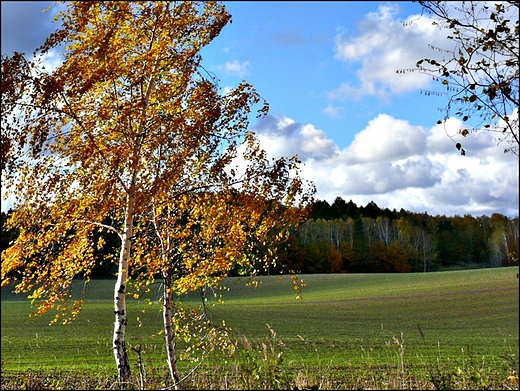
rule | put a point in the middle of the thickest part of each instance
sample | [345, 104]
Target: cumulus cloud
[236, 68]
[384, 139]
[285, 137]
[382, 47]
[399, 165]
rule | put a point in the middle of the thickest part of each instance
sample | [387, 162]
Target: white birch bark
[169, 333]
[119, 340]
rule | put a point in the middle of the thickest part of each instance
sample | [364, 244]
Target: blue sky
[328, 70]
[288, 51]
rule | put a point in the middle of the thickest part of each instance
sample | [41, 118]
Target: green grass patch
[432, 326]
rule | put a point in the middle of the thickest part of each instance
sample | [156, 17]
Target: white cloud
[285, 137]
[399, 165]
[8, 199]
[315, 143]
[52, 60]
[236, 68]
[382, 47]
[385, 138]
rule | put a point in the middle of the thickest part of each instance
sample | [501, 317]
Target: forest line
[343, 237]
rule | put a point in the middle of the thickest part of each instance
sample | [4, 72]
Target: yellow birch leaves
[129, 112]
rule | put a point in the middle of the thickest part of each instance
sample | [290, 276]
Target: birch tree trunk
[119, 344]
[427, 251]
[169, 334]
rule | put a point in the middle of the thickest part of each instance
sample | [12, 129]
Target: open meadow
[456, 329]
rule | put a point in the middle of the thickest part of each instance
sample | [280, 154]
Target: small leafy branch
[480, 71]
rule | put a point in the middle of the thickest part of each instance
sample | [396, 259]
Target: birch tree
[350, 227]
[194, 241]
[503, 241]
[384, 229]
[129, 123]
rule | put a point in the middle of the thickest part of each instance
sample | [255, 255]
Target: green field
[364, 327]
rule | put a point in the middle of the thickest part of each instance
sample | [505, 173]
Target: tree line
[345, 238]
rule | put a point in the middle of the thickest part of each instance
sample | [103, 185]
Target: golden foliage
[129, 135]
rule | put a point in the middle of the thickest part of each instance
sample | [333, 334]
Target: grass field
[440, 330]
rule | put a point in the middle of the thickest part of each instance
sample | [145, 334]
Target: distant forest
[345, 238]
